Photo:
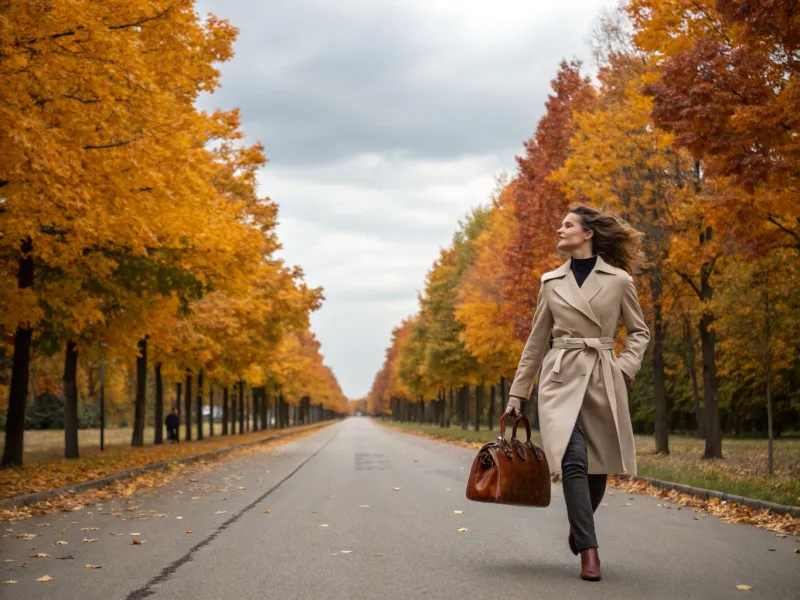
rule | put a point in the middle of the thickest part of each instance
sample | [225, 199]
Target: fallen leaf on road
[396, 489]
[195, 497]
[189, 531]
[241, 487]
[743, 587]
[697, 518]
[604, 504]
[40, 555]
[179, 518]
[346, 551]
[363, 506]
[45, 578]
[459, 512]
[112, 533]
[10, 581]
[136, 534]
[324, 525]
[89, 541]
[42, 525]
[90, 529]
[88, 566]
[62, 543]
[266, 512]
[416, 460]
[627, 504]
[221, 512]
[797, 550]
[135, 542]
[463, 529]
[659, 505]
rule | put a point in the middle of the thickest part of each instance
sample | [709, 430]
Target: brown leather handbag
[510, 472]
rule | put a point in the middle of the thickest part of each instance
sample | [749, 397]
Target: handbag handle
[522, 418]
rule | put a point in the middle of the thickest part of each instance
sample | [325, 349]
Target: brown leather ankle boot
[590, 565]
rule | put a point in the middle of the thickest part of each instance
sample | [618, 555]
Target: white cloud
[384, 123]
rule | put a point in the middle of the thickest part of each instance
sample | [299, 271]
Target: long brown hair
[615, 239]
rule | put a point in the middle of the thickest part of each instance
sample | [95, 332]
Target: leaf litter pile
[62, 473]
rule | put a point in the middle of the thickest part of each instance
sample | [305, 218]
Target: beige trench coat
[581, 377]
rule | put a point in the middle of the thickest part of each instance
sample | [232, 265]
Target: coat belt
[603, 347]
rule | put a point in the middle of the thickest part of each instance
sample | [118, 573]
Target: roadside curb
[26, 499]
[778, 509]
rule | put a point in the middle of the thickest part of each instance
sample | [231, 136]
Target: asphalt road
[338, 530]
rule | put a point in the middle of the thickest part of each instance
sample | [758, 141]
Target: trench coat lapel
[573, 295]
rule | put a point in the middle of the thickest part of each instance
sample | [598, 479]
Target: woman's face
[571, 234]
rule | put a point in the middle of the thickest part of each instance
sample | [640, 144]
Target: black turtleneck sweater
[581, 267]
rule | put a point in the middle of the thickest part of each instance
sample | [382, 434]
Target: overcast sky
[384, 122]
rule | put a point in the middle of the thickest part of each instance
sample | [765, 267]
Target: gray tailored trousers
[582, 492]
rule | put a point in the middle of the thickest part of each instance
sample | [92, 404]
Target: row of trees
[691, 134]
[133, 231]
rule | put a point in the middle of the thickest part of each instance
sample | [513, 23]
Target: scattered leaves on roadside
[135, 542]
[189, 531]
[741, 586]
[90, 540]
[10, 581]
[459, 512]
[324, 525]
[268, 511]
[44, 579]
[40, 555]
[363, 506]
[136, 533]
[88, 566]
[397, 489]
[221, 512]
[61, 543]
[463, 529]
[90, 529]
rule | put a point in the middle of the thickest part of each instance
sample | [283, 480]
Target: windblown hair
[615, 239]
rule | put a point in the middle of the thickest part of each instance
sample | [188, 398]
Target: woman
[583, 398]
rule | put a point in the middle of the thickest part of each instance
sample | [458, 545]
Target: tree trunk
[478, 406]
[659, 376]
[264, 419]
[241, 407]
[200, 405]
[158, 437]
[20, 371]
[692, 371]
[187, 403]
[210, 410]
[768, 364]
[70, 401]
[713, 447]
[492, 408]
[233, 412]
[225, 413]
[137, 438]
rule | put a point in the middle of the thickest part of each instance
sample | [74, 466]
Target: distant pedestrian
[172, 422]
[583, 397]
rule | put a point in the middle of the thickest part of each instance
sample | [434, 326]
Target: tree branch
[794, 234]
[688, 280]
[111, 145]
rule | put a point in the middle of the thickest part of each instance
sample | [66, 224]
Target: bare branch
[111, 145]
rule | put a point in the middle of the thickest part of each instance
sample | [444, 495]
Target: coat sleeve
[638, 335]
[533, 353]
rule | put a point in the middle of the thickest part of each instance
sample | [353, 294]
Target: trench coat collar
[579, 296]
